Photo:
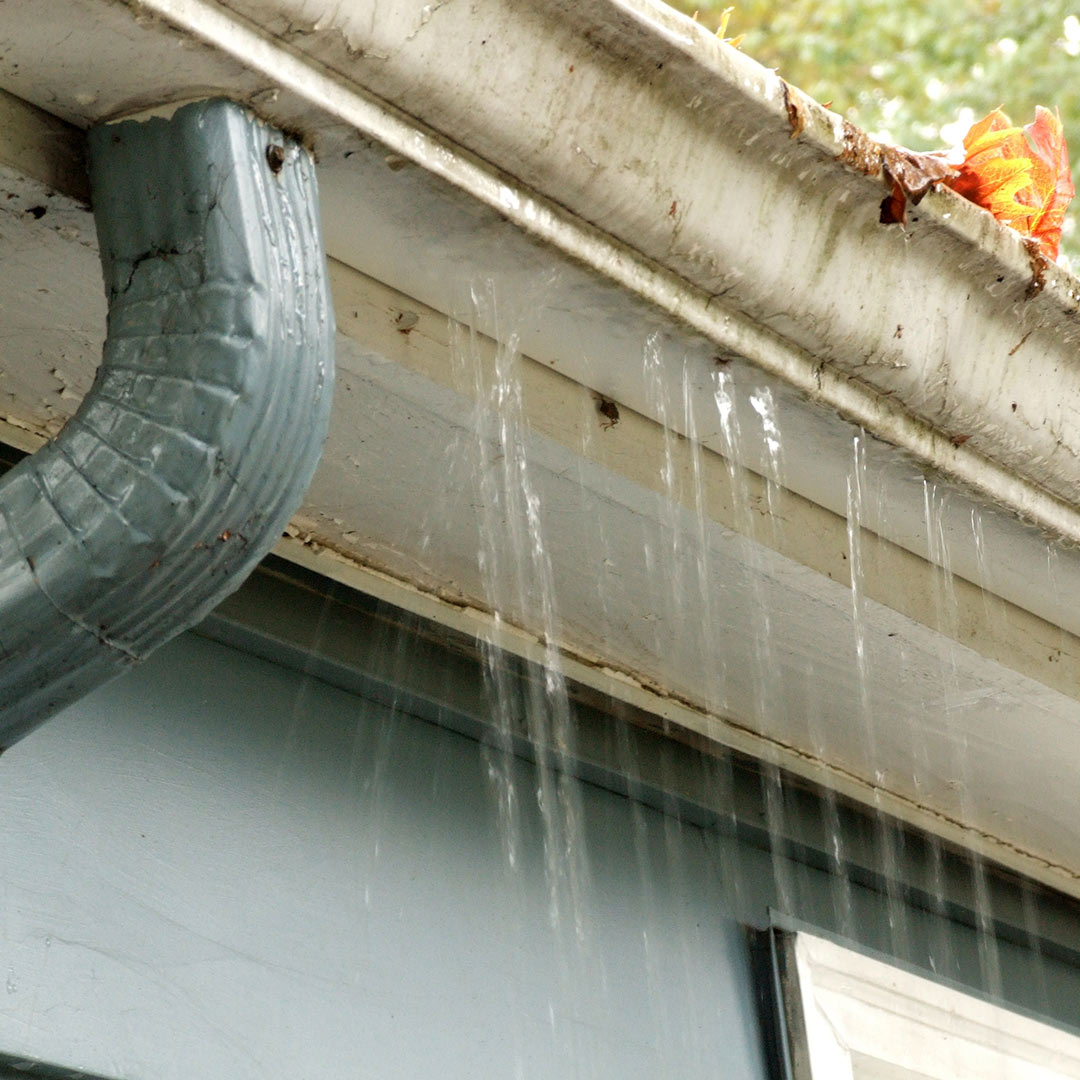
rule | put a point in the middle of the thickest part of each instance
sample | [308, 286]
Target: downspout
[206, 419]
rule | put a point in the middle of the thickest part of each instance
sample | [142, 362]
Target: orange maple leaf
[1021, 175]
[1051, 180]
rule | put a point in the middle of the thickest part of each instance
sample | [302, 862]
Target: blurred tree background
[921, 73]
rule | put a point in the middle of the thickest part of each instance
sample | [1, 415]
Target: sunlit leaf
[1021, 175]
[1052, 182]
[997, 167]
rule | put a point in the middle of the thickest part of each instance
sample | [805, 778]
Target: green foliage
[920, 73]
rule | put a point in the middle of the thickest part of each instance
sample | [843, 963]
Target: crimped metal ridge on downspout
[880, 412]
[206, 419]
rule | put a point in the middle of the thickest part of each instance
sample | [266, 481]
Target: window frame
[847, 1015]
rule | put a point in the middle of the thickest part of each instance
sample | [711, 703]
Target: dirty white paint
[855, 1017]
[53, 323]
[941, 306]
[576, 100]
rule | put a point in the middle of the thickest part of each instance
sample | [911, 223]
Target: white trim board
[853, 1017]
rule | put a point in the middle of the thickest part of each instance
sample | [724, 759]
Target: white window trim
[852, 1017]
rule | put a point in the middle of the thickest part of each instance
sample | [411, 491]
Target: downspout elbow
[206, 419]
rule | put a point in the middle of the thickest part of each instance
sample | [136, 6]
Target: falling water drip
[521, 581]
[993, 611]
[714, 666]
[669, 582]
[884, 829]
[761, 401]
[989, 951]
[765, 662]
[935, 503]
[681, 576]
[519, 588]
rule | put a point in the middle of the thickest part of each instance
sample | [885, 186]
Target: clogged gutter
[1019, 175]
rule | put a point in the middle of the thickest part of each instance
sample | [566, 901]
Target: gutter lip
[545, 219]
[832, 135]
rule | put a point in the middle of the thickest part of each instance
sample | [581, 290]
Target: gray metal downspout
[206, 418]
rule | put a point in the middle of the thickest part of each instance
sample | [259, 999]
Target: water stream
[517, 578]
[886, 835]
[880, 890]
[936, 508]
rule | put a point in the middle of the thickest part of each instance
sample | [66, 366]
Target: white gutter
[974, 336]
[631, 141]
